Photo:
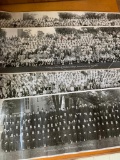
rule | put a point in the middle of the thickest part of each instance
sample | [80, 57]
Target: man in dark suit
[74, 131]
[15, 118]
[17, 142]
[84, 130]
[3, 134]
[12, 126]
[7, 126]
[23, 118]
[10, 132]
[27, 140]
[6, 144]
[64, 135]
[12, 143]
[39, 139]
[32, 141]
[17, 129]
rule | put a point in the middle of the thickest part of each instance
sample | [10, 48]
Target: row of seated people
[81, 123]
[49, 22]
[90, 48]
[11, 92]
[31, 84]
[67, 60]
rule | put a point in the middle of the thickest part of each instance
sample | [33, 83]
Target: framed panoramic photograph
[59, 84]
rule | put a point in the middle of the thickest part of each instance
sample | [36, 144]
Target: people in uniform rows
[31, 84]
[87, 47]
[74, 124]
[79, 20]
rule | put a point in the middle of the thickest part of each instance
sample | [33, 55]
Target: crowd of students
[74, 124]
[83, 48]
[50, 22]
[39, 83]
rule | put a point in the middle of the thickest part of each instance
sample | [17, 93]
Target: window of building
[37, 99]
[27, 103]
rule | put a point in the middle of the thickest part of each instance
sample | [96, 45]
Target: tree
[8, 107]
[28, 16]
[49, 35]
[65, 30]
[97, 97]
[55, 100]
[94, 15]
[113, 16]
[66, 15]
[26, 33]
[84, 73]
[40, 34]
[2, 33]
[5, 15]
[45, 17]
[90, 30]
[109, 30]
[91, 97]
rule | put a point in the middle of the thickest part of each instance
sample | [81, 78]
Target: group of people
[67, 46]
[48, 21]
[68, 49]
[39, 83]
[73, 124]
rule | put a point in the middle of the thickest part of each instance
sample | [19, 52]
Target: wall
[115, 156]
[83, 5]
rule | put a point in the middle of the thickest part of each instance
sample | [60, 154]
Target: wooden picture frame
[89, 5]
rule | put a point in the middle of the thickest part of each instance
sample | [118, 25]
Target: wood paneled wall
[2, 2]
[80, 5]
[8, 2]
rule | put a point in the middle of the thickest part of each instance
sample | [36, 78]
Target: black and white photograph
[43, 49]
[11, 19]
[59, 83]
[58, 124]
[42, 83]
[58, 18]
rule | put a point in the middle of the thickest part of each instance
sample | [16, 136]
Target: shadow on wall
[118, 4]
[6, 2]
